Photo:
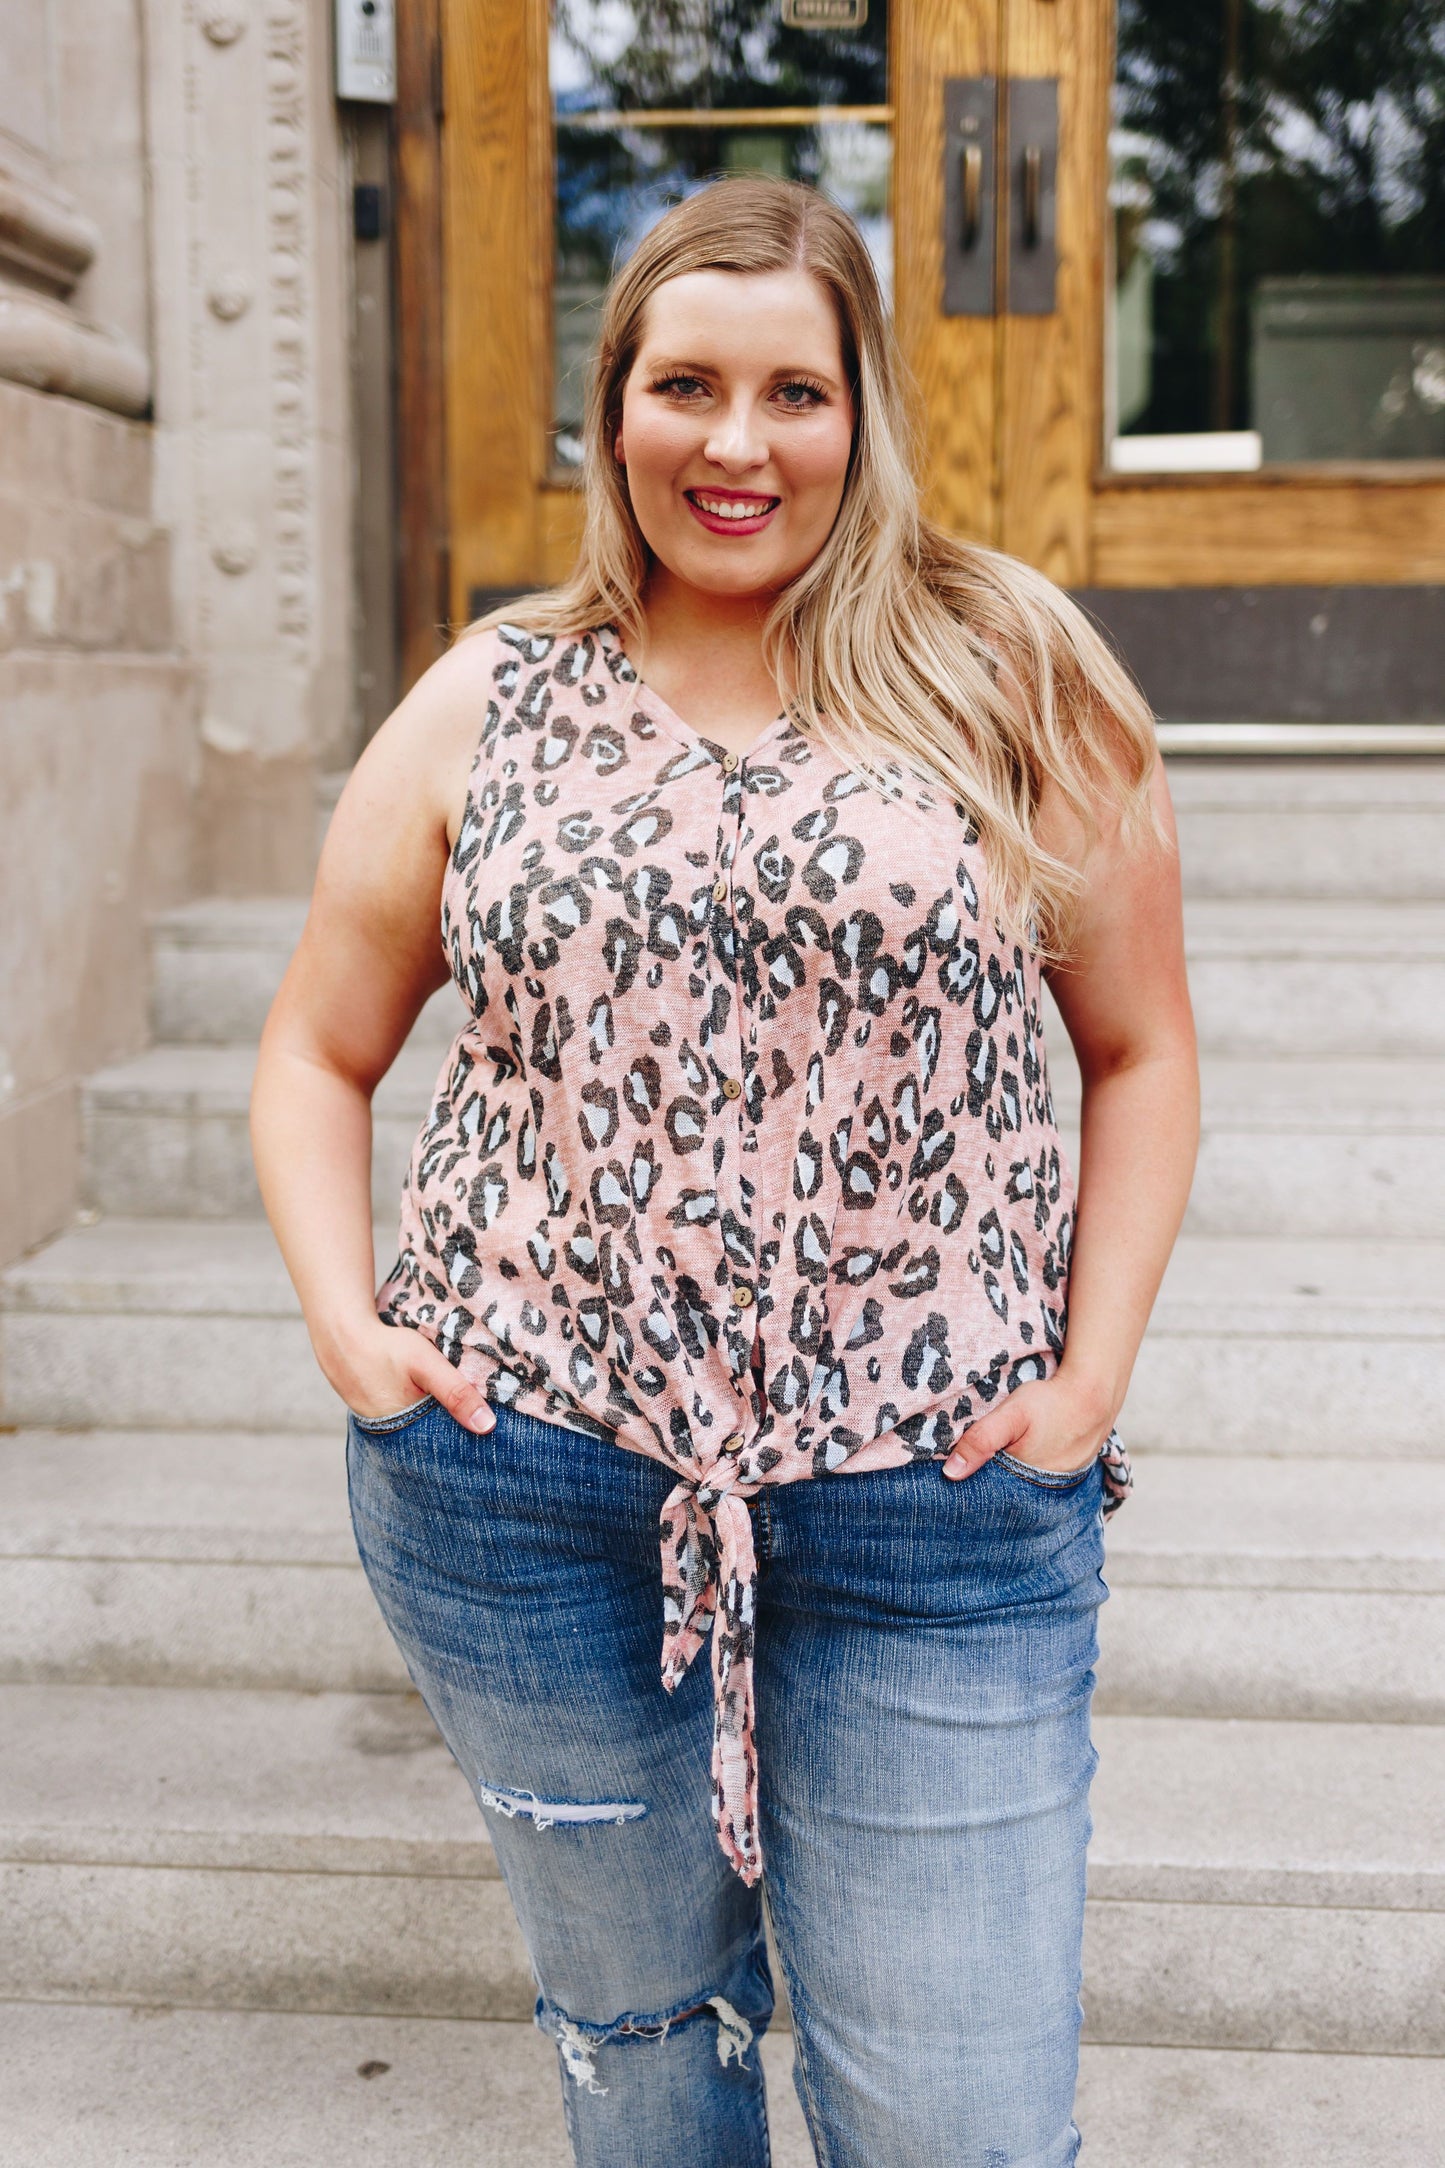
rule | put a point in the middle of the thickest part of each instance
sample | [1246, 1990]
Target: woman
[750, 844]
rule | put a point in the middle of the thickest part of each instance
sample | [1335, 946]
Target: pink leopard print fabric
[745, 1154]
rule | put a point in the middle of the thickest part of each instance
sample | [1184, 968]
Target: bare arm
[1125, 1001]
[368, 959]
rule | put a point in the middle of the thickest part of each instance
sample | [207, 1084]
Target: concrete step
[87, 2087]
[216, 965]
[1347, 977]
[1327, 1345]
[1241, 1587]
[1203, 2108]
[321, 1852]
[1316, 1145]
[1312, 1146]
[1298, 828]
[1293, 1875]
[246, 1850]
[1270, 977]
[1305, 1347]
[90, 2087]
[167, 1132]
[1249, 1587]
[1309, 1524]
[179, 1558]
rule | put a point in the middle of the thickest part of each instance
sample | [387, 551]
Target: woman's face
[737, 423]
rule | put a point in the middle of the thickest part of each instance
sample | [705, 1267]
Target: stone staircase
[247, 1897]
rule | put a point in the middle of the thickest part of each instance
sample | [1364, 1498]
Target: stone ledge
[44, 346]
[42, 234]
[1270, 741]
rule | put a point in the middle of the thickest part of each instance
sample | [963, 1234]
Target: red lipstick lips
[731, 522]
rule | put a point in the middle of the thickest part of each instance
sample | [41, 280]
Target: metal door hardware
[972, 195]
[978, 140]
[366, 51]
[970, 212]
[368, 212]
[1031, 262]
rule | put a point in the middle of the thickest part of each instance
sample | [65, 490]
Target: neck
[681, 620]
[704, 654]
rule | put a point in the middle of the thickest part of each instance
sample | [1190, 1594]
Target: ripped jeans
[924, 1669]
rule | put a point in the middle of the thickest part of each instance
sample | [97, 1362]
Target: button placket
[744, 1294]
[722, 957]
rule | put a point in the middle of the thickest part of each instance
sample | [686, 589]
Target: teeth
[733, 507]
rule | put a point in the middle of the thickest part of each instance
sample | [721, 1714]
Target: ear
[618, 452]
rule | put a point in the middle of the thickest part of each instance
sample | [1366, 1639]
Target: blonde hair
[899, 642]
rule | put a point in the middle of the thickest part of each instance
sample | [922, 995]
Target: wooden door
[1028, 441]
[1297, 329]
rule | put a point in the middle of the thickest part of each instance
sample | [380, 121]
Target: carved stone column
[252, 412]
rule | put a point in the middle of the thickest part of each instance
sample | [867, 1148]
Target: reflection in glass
[1278, 202]
[653, 98]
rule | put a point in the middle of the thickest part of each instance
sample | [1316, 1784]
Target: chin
[730, 570]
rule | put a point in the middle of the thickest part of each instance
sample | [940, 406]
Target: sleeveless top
[745, 1155]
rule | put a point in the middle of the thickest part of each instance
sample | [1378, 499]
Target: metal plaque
[825, 14]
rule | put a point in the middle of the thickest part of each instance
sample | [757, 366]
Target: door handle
[1033, 193]
[972, 178]
[1031, 266]
[970, 195]
[996, 144]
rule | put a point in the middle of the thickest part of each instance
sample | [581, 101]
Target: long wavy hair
[899, 644]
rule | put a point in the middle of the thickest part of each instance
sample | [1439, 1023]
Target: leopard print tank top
[744, 1155]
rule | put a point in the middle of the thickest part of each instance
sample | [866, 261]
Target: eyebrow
[709, 368]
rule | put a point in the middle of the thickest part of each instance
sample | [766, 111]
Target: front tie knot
[710, 1577]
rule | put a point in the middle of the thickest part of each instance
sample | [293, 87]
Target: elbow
[1172, 1049]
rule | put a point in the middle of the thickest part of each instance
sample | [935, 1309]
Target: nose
[736, 442]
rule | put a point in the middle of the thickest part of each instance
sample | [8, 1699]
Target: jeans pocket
[376, 1425]
[1054, 1479]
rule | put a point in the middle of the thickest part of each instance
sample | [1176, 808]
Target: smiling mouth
[734, 510]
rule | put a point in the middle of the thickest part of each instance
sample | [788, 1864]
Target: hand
[1055, 1425]
[378, 1369]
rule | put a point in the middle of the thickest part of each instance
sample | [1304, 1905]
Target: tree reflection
[1266, 139]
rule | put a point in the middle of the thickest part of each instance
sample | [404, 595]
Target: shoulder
[454, 703]
[413, 773]
[522, 653]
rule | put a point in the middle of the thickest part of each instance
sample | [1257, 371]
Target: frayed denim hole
[578, 2042]
[557, 1813]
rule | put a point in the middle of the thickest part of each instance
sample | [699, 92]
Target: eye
[800, 394]
[680, 385]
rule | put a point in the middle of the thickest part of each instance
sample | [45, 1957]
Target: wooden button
[719, 891]
[731, 1088]
[742, 1296]
[730, 763]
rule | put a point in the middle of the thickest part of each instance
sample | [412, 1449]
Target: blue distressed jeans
[924, 1668]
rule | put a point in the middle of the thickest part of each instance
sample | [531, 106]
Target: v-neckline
[662, 711]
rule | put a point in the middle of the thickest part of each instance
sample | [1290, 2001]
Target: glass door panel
[653, 98]
[1278, 230]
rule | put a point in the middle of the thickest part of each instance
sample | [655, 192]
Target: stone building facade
[177, 572]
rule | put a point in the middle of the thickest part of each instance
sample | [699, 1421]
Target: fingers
[453, 1392]
[993, 1433]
